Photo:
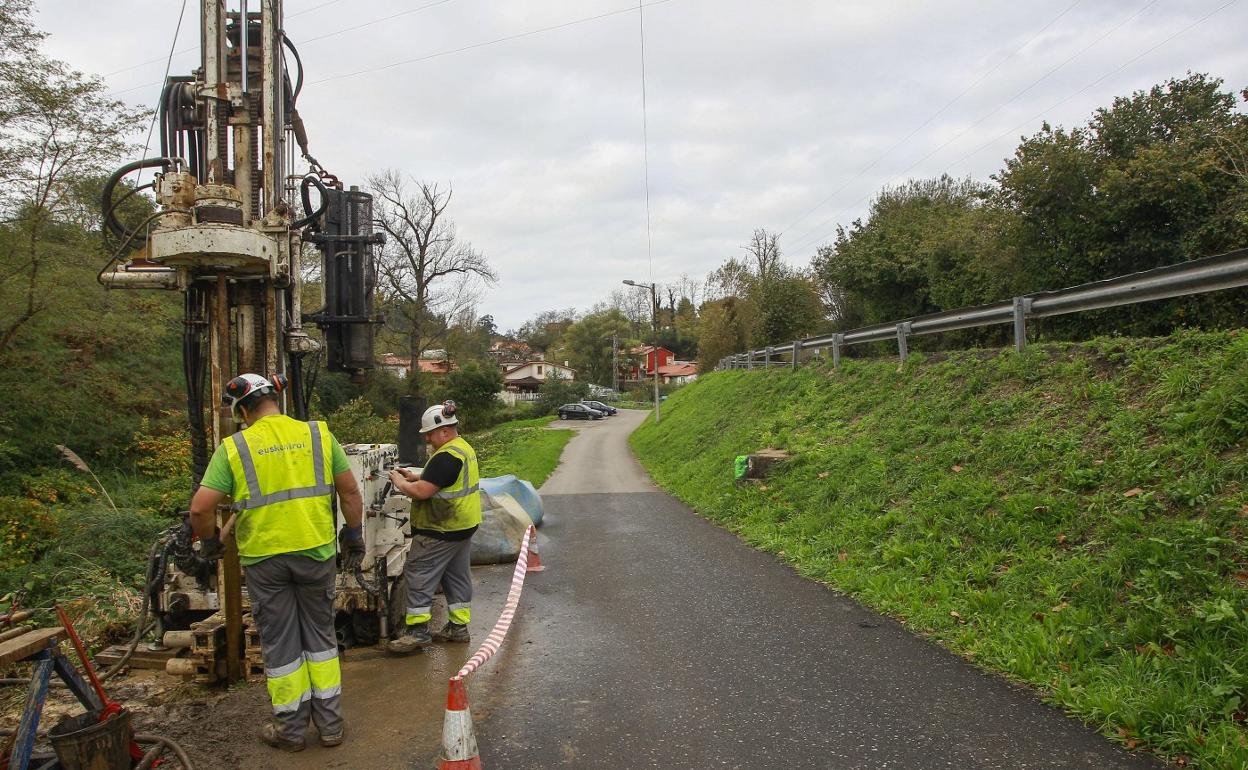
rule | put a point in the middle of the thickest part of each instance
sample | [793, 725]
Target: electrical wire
[1094, 83]
[645, 137]
[802, 240]
[168, 63]
[984, 76]
[1048, 110]
[495, 41]
[371, 23]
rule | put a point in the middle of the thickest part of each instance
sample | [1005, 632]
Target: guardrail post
[749, 360]
[836, 350]
[1022, 308]
[902, 349]
[768, 364]
[797, 348]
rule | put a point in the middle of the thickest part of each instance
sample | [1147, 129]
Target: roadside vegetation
[525, 448]
[1075, 518]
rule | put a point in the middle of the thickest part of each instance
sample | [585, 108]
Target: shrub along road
[656, 639]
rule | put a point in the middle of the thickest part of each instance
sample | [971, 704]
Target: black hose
[110, 222]
[125, 197]
[310, 215]
[299, 64]
[149, 759]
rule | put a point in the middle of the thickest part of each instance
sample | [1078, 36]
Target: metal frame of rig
[232, 220]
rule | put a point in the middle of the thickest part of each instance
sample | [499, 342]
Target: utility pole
[615, 363]
[654, 318]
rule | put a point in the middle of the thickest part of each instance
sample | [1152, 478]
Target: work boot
[330, 741]
[414, 640]
[271, 736]
[451, 632]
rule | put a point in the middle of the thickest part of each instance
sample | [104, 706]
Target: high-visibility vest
[283, 486]
[457, 506]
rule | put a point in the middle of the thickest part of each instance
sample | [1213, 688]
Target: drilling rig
[233, 218]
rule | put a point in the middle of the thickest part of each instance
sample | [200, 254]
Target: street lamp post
[654, 317]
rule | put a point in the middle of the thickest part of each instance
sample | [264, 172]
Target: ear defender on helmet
[448, 408]
[280, 383]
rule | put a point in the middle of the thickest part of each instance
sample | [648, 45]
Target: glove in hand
[351, 543]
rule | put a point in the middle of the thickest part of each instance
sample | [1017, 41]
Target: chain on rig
[232, 219]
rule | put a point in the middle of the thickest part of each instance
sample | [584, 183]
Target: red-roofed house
[678, 372]
[400, 365]
[646, 356]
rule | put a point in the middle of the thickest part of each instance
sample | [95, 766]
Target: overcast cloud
[782, 114]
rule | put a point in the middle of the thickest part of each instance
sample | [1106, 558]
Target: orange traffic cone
[535, 559]
[459, 741]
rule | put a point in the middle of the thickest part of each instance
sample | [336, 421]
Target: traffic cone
[459, 741]
[535, 559]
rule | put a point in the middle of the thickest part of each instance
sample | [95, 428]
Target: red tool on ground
[111, 707]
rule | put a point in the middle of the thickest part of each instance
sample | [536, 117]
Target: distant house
[400, 365]
[527, 377]
[510, 352]
[678, 372]
[646, 357]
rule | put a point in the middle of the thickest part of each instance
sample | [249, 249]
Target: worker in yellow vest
[282, 475]
[445, 514]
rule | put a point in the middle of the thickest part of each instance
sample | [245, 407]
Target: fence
[1198, 276]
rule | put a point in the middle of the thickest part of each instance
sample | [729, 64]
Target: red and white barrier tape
[495, 638]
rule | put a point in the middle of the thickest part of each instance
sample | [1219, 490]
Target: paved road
[655, 639]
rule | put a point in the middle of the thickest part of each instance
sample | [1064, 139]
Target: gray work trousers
[292, 602]
[431, 561]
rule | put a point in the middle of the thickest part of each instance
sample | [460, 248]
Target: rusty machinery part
[150, 758]
[109, 223]
[218, 204]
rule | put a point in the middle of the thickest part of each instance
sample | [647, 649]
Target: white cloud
[757, 111]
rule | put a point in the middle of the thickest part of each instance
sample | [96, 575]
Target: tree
[588, 343]
[429, 272]
[545, 330]
[474, 387]
[57, 126]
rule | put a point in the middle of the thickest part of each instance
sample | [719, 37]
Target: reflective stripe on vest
[464, 489]
[459, 503]
[282, 491]
[255, 499]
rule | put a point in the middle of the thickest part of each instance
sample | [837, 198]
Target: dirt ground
[394, 706]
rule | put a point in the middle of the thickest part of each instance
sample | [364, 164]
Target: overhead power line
[506, 39]
[168, 63]
[804, 239]
[1093, 84]
[196, 48]
[645, 137]
[933, 116]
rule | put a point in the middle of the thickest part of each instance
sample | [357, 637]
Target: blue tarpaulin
[521, 490]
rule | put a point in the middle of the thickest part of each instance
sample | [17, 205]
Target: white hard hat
[438, 416]
[244, 385]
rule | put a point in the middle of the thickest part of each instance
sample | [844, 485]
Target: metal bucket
[83, 742]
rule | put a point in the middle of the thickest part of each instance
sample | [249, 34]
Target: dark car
[601, 407]
[579, 412]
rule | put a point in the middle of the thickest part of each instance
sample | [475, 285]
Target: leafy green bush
[474, 388]
[555, 392]
[356, 423]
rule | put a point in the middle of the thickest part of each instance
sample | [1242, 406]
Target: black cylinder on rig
[411, 442]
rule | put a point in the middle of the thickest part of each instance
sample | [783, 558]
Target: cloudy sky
[784, 114]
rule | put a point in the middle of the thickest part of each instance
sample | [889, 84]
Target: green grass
[523, 447]
[1075, 517]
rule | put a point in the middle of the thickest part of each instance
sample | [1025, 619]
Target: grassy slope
[523, 447]
[1073, 517]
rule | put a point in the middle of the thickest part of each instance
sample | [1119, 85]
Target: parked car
[579, 412]
[601, 407]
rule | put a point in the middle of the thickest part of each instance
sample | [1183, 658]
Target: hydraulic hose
[106, 204]
[309, 215]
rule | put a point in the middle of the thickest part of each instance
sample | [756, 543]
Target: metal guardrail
[1198, 276]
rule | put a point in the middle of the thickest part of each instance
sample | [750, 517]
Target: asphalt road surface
[656, 639]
